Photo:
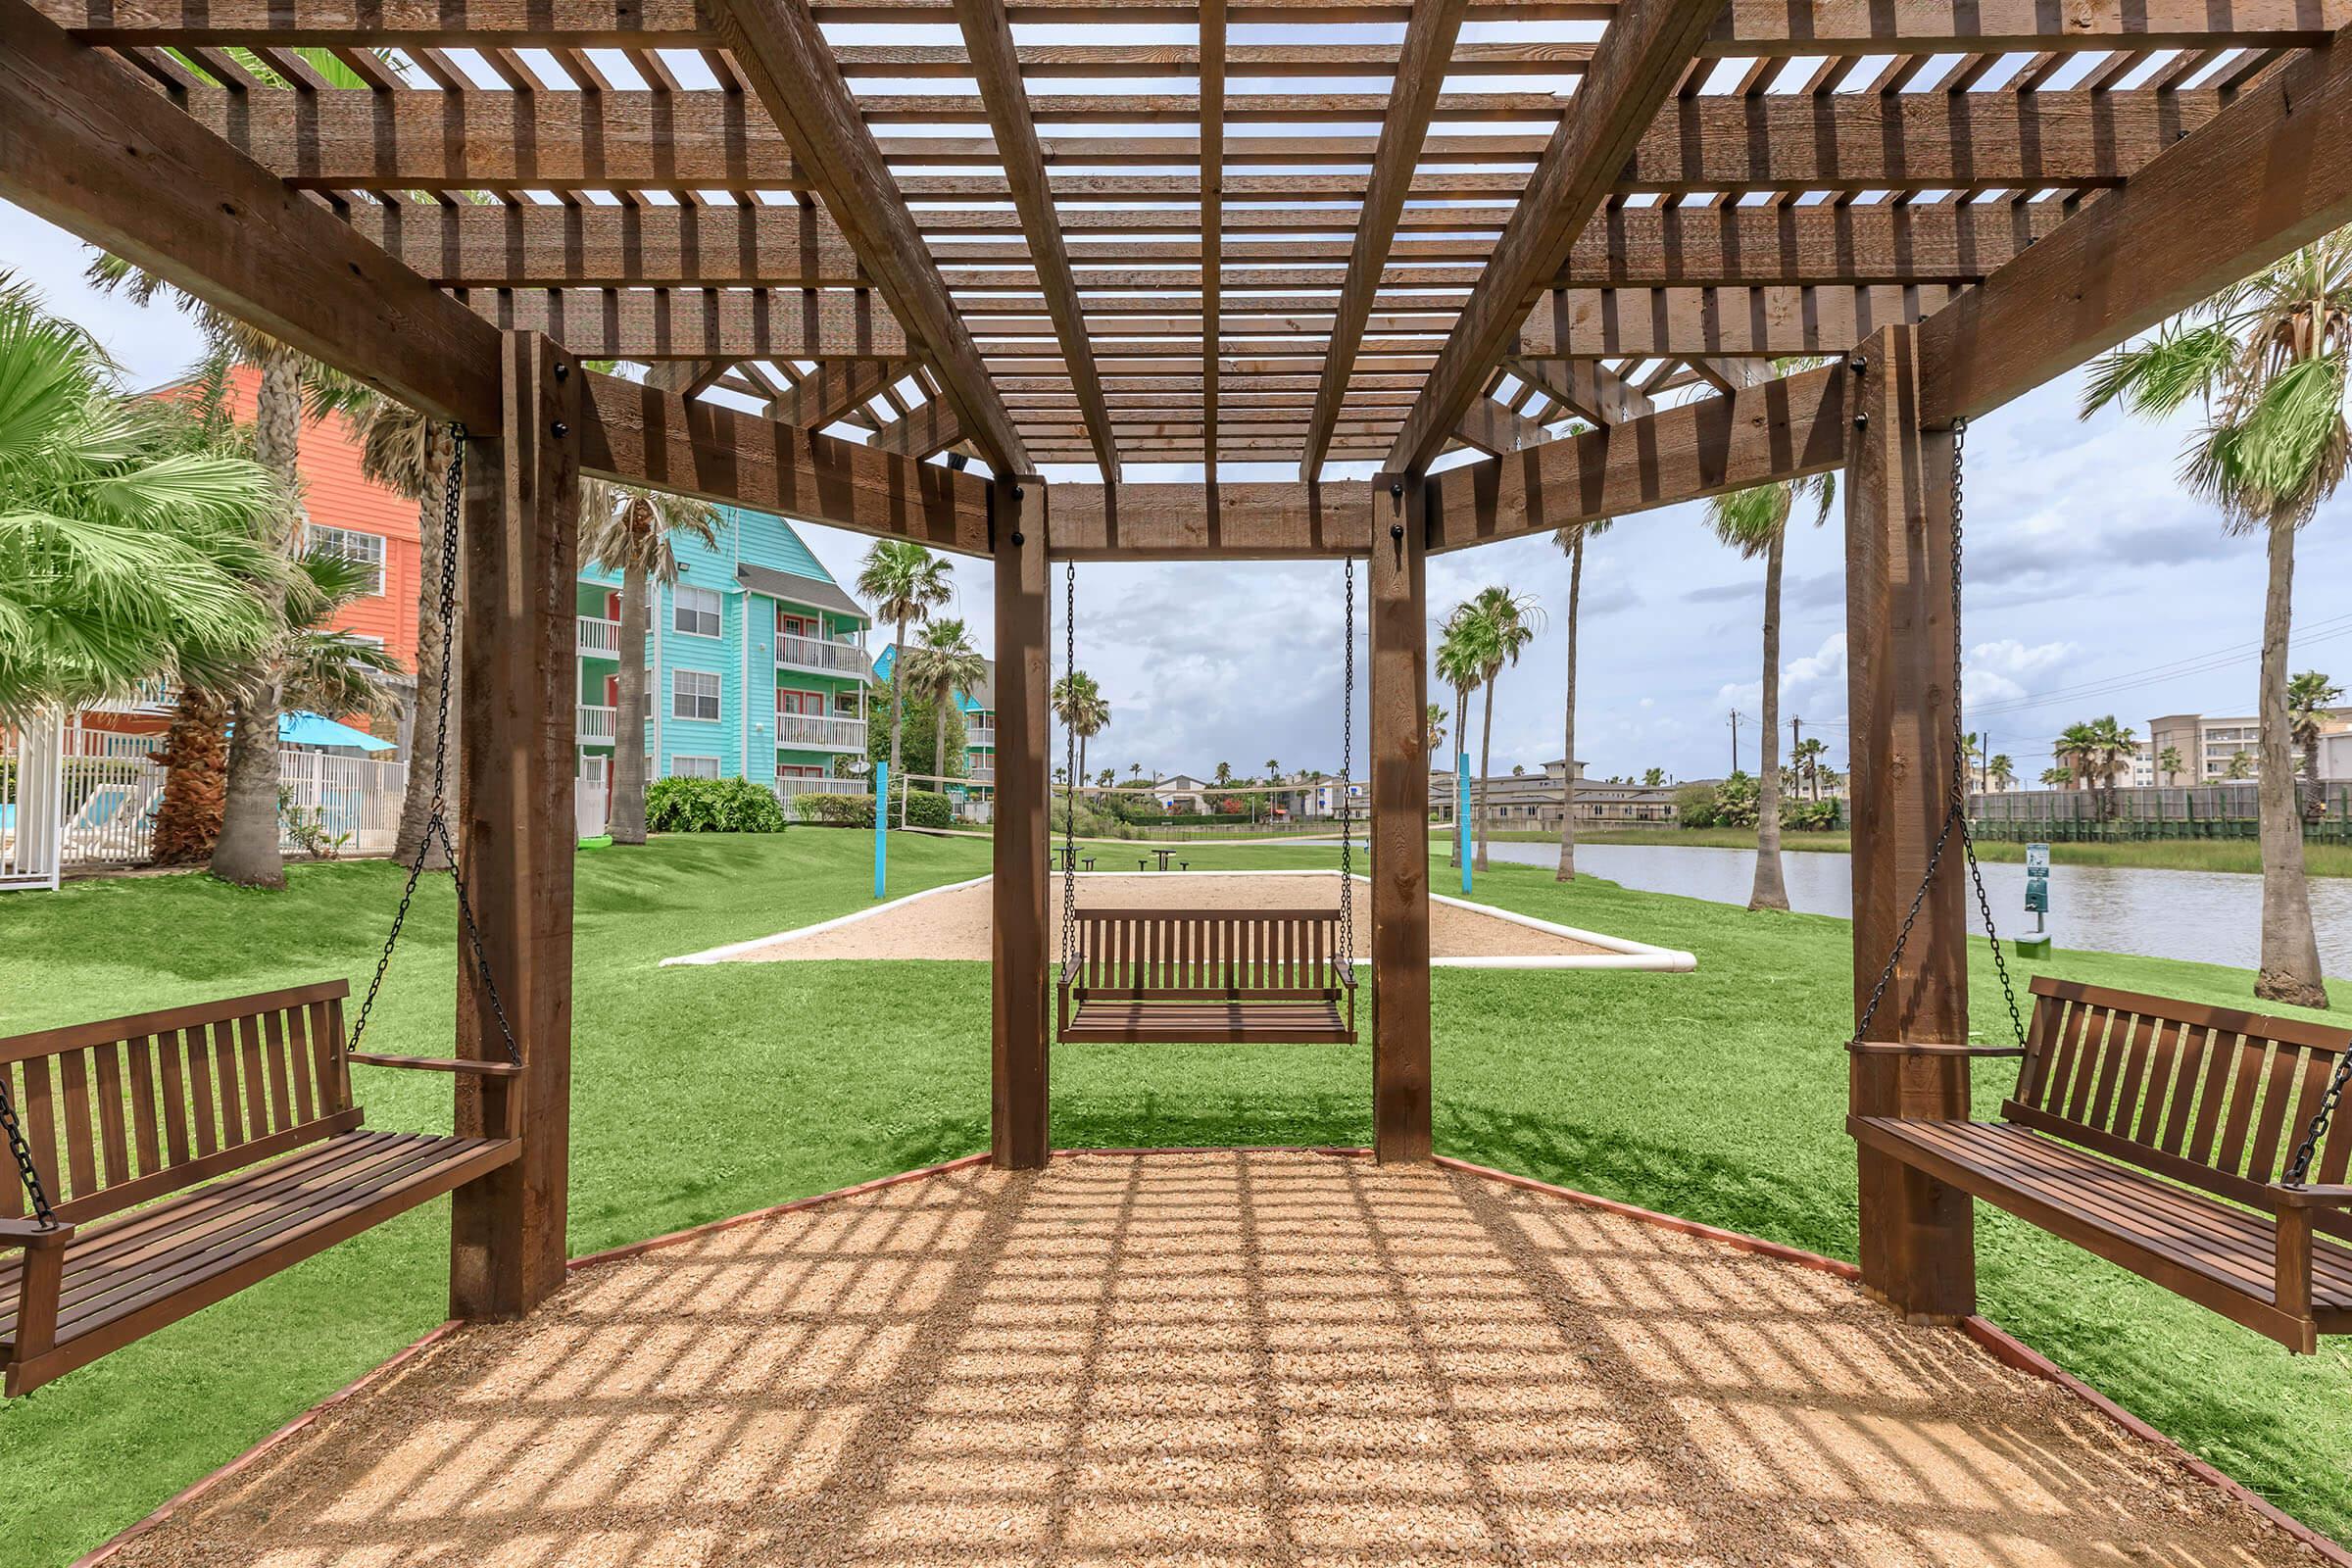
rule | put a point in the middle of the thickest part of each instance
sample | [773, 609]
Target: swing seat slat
[2158, 1135]
[189, 1155]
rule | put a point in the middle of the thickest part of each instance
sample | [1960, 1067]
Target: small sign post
[2036, 944]
[881, 827]
[1461, 811]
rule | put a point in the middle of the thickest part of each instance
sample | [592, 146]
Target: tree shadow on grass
[1673, 1178]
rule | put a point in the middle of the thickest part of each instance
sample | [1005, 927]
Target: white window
[695, 611]
[349, 544]
[693, 693]
[694, 767]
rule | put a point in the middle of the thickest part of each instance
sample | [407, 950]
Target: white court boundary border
[1622, 952]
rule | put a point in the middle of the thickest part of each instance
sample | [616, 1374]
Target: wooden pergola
[1075, 265]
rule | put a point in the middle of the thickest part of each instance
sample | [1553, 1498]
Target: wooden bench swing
[169, 1159]
[2173, 1139]
[1209, 976]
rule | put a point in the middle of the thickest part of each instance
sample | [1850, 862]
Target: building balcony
[598, 725]
[980, 737]
[819, 732]
[598, 638]
[821, 655]
[982, 775]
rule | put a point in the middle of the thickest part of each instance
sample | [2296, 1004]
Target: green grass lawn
[704, 1092]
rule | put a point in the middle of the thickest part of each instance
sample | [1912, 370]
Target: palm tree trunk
[2290, 948]
[939, 739]
[425, 736]
[1486, 765]
[898, 709]
[1770, 892]
[626, 809]
[1576, 586]
[195, 758]
[247, 853]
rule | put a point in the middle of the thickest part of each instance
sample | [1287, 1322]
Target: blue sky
[2096, 585]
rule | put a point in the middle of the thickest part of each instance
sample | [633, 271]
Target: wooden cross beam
[1420, 77]
[1594, 391]
[703, 140]
[692, 323]
[928, 428]
[1212, 63]
[1746, 27]
[1642, 323]
[831, 391]
[988, 41]
[1646, 49]
[2272, 172]
[776, 45]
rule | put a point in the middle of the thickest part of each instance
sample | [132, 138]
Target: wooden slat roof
[1133, 224]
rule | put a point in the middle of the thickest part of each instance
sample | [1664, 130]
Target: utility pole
[1736, 719]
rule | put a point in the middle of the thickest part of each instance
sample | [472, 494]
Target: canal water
[2211, 916]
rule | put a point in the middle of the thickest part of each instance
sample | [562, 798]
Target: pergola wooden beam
[776, 45]
[775, 247]
[2272, 172]
[344, 139]
[1210, 54]
[1781, 430]
[831, 391]
[687, 323]
[1746, 27]
[987, 42]
[926, 428]
[1593, 390]
[1495, 429]
[85, 145]
[1646, 49]
[1420, 77]
[1677, 323]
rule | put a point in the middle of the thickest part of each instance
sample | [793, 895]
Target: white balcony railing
[819, 732]
[149, 696]
[787, 788]
[598, 637]
[981, 736]
[819, 654]
[598, 724]
[982, 775]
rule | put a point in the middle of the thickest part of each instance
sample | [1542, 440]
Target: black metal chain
[1347, 775]
[1955, 814]
[27, 1171]
[1069, 821]
[436, 821]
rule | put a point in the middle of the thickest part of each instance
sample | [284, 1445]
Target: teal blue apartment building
[755, 658]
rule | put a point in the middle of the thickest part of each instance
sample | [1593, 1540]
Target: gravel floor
[1209, 1359]
[954, 924]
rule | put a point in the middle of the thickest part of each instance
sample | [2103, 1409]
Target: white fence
[71, 796]
[787, 788]
[591, 802]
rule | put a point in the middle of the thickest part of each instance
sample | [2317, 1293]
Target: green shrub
[710, 806]
[1694, 806]
[925, 808]
[1809, 816]
[835, 811]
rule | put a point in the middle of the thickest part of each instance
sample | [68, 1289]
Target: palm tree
[1571, 540]
[1509, 622]
[2167, 762]
[1433, 729]
[1084, 712]
[410, 454]
[2308, 697]
[1461, 661]
[128, 542]
[2105, 749]
[943, 665]
[1224, 773]
[2239, 768]
[1654, 777]
[632, 532]
[1755, 522]
[2001, 772]
[905, 583]
[2057, 778]
[1807, 755]
[2076, 744]
[2267, 361]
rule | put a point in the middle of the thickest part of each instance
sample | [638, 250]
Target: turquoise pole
[881, 826]
[1461, 810]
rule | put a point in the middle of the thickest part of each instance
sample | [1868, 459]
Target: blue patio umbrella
[314, 730]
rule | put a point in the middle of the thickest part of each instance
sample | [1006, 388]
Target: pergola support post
[1020, 1064]
[515, 770]
[1399, 837]
[1917, 1240]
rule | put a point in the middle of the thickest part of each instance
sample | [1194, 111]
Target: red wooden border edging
[1981, 1332]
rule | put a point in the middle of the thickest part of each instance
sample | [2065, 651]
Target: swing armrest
[452, 1065]
[2316, 1196]
[30, 1234]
